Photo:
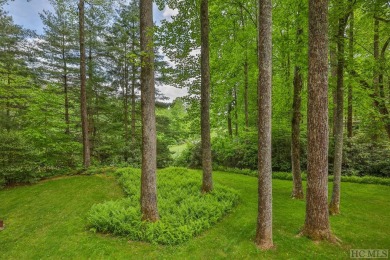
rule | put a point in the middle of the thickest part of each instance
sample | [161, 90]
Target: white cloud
[172, 92]
[195, 52]
[168, 13]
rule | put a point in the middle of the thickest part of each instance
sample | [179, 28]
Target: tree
[148, 174]
[122, 43]
[264, 219]
[207, 185]
[334, 207]
[297, 192]
[57, 50]
[350, 85]
[18, 162]
[83, 90]
[317, 214]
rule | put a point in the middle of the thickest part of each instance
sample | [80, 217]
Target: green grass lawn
[48, 220]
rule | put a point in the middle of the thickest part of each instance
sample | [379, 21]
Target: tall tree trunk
[229, 119]
[65, 78]
[264, 219]
[83, 98]
[8, 105]
[297, 192]
[66, 104]
[133, 101]
[126, 105]
[133, 82]
[350, 85]
[149, 139]
[333, 79]
[317, 213]
[246, 93]
[207, 185]
[375, 72]
[382, 96]
[90, 106]
[235, 112]
[334, 207]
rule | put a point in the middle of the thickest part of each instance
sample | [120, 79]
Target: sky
[26, 14]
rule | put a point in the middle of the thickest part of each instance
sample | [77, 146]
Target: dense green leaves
[184, 211]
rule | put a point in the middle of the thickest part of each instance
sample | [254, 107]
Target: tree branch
[382, 19]
[384, 47]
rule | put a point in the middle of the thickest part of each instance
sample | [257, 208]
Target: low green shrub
[17, 163]
[184, 211]
[288, 176]
[364, 157]
[2, 182]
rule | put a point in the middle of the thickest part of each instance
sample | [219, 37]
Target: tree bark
[65, 78]
[375, 72]
[149, 162]
[229, 119]
[83, 99]
[333, 78]
[66, 104]
[383, 109]
[133, 82]
[350, 85]
[235, 111]
[207, 185]
[264, 219]
[317, 213]
[126, 105]
[334, 207]
[297, 192]
[246, 93]
[91, 108]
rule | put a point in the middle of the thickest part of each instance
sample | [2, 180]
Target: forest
[207, 129]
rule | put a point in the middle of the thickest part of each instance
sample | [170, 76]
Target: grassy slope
[47, 220]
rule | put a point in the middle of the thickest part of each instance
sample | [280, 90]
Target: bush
[184, 211]
[361, 156]
[191, 157]
[288, 176]
[17, 162]
[240, 152]
[364, 157]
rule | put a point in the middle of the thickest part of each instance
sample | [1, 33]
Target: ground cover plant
[184, 211]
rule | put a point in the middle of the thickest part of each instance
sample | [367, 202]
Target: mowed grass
[48, 220]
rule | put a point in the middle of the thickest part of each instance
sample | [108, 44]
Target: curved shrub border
[184, 211]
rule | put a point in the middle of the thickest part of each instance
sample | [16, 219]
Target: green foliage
[240, 152]
[164, 156]
[184, 211]
[288, 176]
[364, 157]
[191, 156]
[17, 163]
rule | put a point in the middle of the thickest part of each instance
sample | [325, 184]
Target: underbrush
[184, 211]
[288, 176]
